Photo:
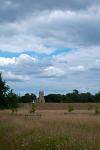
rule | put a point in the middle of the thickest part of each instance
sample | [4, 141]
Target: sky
[50, 45]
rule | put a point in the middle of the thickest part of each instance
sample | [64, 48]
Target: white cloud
[6, 61]
[75, 69]
[81, 59]
[9, 76]
[47, 30]
[44, 27]
[23, 58]
[53, 72]
[61, 65]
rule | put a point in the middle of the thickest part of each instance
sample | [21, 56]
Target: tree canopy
[8, 99]
[74, 97]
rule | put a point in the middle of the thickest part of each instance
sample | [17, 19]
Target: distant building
[41, 99]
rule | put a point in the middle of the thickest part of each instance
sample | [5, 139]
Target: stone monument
[41, 97]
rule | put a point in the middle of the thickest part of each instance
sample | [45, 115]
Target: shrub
[97, 111]
[70, 108]
[33, 108]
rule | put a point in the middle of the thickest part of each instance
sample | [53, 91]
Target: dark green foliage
[3, 87]
[97, 97]
[27, 98]
[74, 97]
[3, 92]
[7, 98]
[12, 100]
[54, 98]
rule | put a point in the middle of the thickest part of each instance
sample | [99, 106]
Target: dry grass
[61, 106]
[54, 131]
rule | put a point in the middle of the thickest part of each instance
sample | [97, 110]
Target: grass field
[57, 129]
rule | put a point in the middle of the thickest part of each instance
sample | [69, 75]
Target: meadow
[56, 129]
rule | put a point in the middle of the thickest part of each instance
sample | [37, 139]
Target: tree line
[73, 97]
[8, 99]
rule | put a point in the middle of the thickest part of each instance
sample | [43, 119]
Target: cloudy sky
[50, 45]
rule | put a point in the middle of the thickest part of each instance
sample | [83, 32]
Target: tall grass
[54, 131]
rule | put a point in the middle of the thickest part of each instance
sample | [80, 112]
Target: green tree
[27, 98]
[4, 89]
[12, 100]
[97, 97]
[54, 98]
[75, 91]
[8, 99]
